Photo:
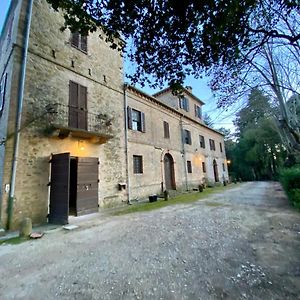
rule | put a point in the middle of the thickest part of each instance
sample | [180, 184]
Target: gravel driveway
[242, 244]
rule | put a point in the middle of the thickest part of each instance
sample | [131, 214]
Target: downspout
[21, 88]
[183, 153]
[126, 143]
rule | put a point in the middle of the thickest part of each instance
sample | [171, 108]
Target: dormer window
[79, 41]
[184, 103]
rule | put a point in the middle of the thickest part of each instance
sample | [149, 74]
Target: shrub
[290, 179]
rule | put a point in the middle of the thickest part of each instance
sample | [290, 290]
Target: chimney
[189, 88]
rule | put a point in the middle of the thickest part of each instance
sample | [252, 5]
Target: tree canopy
[173, 39]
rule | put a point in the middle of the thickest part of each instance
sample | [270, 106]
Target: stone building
[65, 148]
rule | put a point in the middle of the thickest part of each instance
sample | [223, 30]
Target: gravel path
[242, 244]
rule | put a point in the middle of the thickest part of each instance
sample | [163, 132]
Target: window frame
[212, 144]
[202, 141]
[198, 111]
[138, 167]
[166, 130]
[187, 137]
[184, 103]
[189, 166]
[82, 40]
[203, 167]
[221, 147]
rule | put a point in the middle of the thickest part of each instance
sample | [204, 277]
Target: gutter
[126, 142]
[21, 88]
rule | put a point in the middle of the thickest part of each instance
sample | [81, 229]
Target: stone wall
[52, 63]
[152, 146]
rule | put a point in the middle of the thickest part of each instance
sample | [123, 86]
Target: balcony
[64, 121]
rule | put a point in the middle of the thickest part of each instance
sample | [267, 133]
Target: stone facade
[152, 145]
[52, 65]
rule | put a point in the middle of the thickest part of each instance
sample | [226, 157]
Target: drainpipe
[126, 143]
[183, 153]
[19, 113]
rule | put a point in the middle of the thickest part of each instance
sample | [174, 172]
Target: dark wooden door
[77, 106]
[59, 188]
[87, 185]
[169, 172]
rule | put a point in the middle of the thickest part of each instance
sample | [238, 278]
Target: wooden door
[59, 189]
[87, 185]
[77, 106]
[169, 172]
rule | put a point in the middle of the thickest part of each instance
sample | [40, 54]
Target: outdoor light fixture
[228, 161]
[81, 145]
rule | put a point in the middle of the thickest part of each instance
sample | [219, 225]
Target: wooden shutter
[187, 104]
[189, 137]
[2, 93]
[82, 108]
[83, 43]
[129, 117]
[73, 104]
[143, 125]
[75, 39]
[166, 130]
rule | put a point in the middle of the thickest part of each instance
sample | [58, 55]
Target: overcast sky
[200, 87]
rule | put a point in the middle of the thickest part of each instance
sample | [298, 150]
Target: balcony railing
[93, 125]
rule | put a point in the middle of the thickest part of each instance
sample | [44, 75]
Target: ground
[241, 244]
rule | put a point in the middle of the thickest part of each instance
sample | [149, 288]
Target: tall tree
[173, 39]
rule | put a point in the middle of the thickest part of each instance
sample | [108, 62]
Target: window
[202, 141]
[166, 130]
[221, 148]
[223, 165]
[2, 93]
[187, 137]
[184, 103]
[189, 166]
[137, 164]
[136, 120]
[198, 111]
[203, 167]
[79, 41]
[212, 144]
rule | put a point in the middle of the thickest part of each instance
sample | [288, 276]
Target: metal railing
[58, 114]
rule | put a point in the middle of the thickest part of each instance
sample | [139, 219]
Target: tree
[207, 120]
[173, 39]
[258, 151]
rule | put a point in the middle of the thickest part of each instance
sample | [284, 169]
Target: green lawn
[180, 199]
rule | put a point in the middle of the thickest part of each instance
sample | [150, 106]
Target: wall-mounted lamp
[81, 145]
[228, 161]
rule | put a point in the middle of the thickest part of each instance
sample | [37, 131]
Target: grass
[180, 199]
[13, 241]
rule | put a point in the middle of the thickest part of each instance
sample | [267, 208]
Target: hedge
[290, 179]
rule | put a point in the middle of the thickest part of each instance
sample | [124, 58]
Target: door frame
[172, 171]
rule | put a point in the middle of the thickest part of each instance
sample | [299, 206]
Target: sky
[220, 117]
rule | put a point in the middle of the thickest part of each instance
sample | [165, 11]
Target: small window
[221, 148]
[166, 130]
[203, 167]
[136, 120]
[223, 165]
[202, 141]
[79, 41]
[187, 137]
[198, 111]
[137, 164]
[184, 103]
[212, 144]
[189, 166]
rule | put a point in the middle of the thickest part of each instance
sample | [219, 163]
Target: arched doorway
[169, 172]
[216, 171]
